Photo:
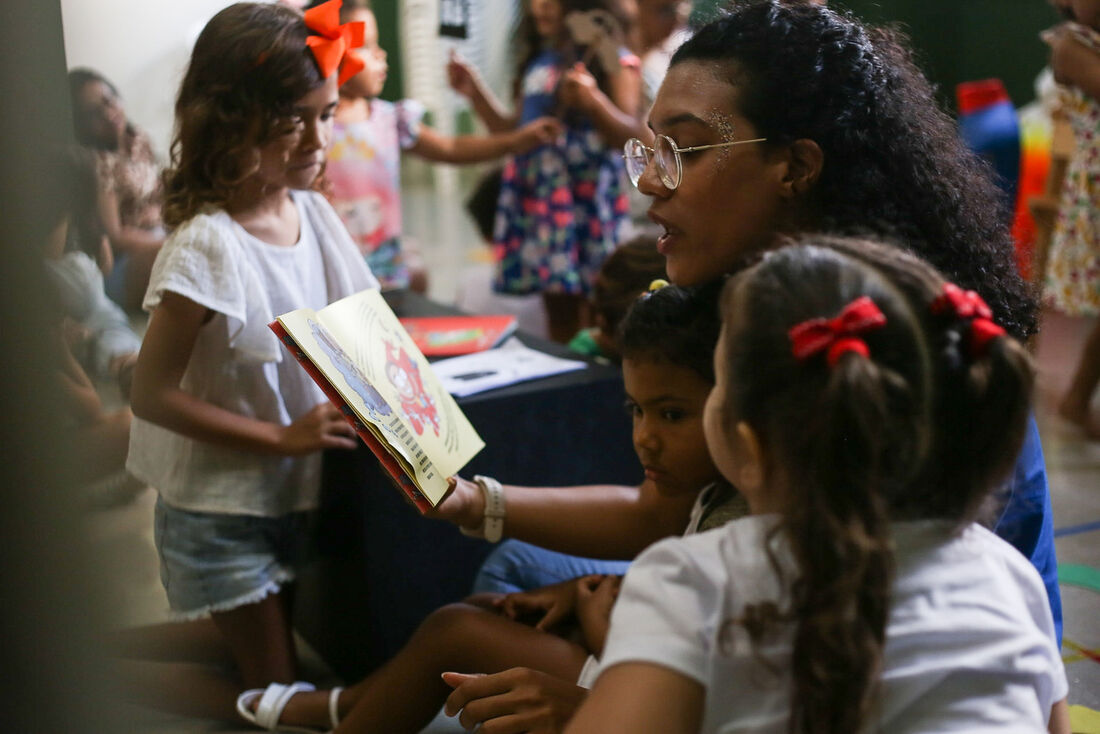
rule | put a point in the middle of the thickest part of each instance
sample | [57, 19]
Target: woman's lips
[669, 234]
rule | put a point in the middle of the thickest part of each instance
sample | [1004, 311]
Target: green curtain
[959, 40]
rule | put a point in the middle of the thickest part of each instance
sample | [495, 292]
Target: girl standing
[364, 159]
[1073, 270]
[228, 428]
[562, 207]
[856, 595]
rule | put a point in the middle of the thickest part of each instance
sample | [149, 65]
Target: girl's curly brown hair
[249, 65]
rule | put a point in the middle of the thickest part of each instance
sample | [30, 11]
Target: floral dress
[562, 205]
[364, 183]
[1073, 271]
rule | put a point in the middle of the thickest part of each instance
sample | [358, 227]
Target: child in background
[859, 594]
[626, 273]
[104, 344]
[129, 186]
[228, 427]
[562, 206]
[95, 438]
[667, 345]
[1073, 266]
[363, 163]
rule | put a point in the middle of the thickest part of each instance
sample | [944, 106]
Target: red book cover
[449, 336]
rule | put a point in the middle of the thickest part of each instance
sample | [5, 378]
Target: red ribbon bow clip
[969, 305]
[838, 335]
[963, 304]
[333, 45]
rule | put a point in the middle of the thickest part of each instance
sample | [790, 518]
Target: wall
[142, 46]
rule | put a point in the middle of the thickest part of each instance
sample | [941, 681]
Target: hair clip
[837, 335]
[333, 45]
[962, 304]
[654, 286]
[968, 305]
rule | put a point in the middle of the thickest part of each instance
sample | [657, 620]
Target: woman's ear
[804, 162]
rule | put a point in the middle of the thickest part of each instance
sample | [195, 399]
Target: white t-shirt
[237, 362]
[969, 639]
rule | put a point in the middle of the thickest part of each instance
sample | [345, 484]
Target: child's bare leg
[187, 689]
[261, 640]
[1075, 403]
[405, 693]
[199, 668]
[199, 641]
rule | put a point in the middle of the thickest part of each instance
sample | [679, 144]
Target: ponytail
[840, 535]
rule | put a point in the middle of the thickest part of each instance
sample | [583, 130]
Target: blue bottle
[989, 126]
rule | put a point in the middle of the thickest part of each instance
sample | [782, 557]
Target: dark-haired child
[228, 428]
[859, 594]
[626, 273]
[668, 339]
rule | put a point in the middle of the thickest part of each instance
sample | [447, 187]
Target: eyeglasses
[667, 157]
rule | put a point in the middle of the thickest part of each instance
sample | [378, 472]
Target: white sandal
[272, 701]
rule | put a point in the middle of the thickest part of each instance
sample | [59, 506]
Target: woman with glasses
[782, 118]
[785, 118]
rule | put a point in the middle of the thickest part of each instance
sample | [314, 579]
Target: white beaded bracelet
[492, 527]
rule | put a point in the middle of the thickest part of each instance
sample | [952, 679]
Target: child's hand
[578, 88]
[535, 133]
[463, 504]
[518, 699]
[323, 427]
[557, 603]
[595, 597]
[460, 75]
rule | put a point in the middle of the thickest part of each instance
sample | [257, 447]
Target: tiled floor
[460, 272]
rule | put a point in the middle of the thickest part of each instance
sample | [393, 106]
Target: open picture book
[356, 350]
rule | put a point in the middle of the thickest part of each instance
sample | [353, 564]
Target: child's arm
[615, 116]
[156, 395]
[601, 521]
[123, 239]
[466, 80]
[595, 597]
[1059, 718]
[474, 148]
[1073, 63]
[639, 698]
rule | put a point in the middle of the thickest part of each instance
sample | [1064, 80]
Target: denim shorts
[214, 562]
[517, 566]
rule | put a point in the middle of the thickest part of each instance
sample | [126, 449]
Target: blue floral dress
[562, 205]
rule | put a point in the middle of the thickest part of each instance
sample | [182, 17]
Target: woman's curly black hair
[894, 164]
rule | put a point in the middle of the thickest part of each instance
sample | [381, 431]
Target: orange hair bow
[333, 45]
